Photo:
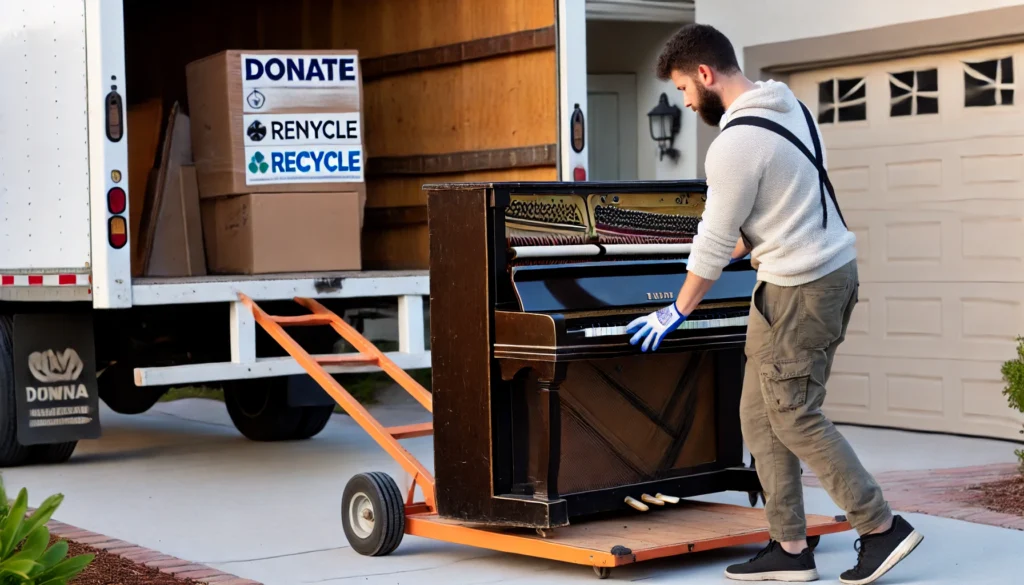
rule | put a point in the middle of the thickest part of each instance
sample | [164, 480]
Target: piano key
[604, 331]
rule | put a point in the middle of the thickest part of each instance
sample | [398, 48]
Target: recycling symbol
[256, 99]
[257, 164]
[257, 131]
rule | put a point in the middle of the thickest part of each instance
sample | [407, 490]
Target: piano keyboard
[740, 321]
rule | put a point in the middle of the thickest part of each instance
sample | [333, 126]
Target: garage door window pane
[902, 106]
[912, 93]
[928, 80]
[853, 113]
[842, 100]
[927, 105]
[988, 83]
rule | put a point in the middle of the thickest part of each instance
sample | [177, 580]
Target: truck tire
[314, 419]
[118, 390]
[12, 453]
[259, 410]
[55, 453]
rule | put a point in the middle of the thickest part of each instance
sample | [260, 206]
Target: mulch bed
[1005, 496]
[958, 493]
[110, 569]
[117, 562]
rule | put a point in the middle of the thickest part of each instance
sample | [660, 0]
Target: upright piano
[544, 413]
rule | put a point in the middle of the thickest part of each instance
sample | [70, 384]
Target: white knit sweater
[761, 183]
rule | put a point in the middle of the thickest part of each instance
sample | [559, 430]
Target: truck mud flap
[55, 378]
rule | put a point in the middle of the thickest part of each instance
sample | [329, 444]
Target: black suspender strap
[823, 174]
[816, 159]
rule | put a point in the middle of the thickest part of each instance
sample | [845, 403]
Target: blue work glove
[655, 326]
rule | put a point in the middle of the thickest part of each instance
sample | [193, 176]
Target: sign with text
[275, 82]
[55, 379]
[302, 129]
[303, 164]
[320, 71]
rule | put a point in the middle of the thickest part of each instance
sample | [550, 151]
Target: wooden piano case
[541, 437]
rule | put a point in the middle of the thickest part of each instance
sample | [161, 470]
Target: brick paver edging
[943, 492]
[147, 557]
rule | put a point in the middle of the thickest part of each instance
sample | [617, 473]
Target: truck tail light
[117, 201]
[117, 232]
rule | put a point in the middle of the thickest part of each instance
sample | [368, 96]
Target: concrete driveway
[181, 480]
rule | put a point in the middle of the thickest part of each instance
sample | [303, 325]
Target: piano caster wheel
[543, 533]
[602, 572]
[373, 514]
[812, 541]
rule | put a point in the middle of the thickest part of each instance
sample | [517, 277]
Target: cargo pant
[792, 336]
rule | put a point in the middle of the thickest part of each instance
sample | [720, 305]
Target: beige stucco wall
[633, 47]
[754, 22]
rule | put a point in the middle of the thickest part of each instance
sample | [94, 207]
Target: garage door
[927, 156]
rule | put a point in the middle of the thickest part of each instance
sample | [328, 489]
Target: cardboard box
[261, 233]
[276, 121]
[145, 121]
[170, 239]
[178, 234]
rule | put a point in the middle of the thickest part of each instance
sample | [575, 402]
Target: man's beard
[711, 108]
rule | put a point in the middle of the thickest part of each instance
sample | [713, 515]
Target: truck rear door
[52, 117]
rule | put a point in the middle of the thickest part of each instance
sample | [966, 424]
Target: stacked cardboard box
[277, 138]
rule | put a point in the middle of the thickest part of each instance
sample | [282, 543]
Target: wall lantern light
[665, 121]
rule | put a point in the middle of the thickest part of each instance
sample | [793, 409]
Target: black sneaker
[877, 553]
[775, 564]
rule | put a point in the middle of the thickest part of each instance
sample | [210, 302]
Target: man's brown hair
[694, 45]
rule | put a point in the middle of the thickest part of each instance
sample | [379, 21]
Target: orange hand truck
[375, 516]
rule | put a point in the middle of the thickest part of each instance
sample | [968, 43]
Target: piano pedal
[669, 499]
[637, 504]
[652, 500]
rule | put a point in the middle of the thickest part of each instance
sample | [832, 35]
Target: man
[767, 197]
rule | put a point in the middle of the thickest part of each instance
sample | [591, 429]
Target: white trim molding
[269, 367]
[681, 11]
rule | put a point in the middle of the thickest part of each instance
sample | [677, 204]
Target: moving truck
[95, 100]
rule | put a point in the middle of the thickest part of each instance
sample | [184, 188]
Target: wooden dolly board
[375, 516]
[687, 527]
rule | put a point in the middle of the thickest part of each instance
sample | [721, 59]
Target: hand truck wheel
[602, 572]
[373, 514]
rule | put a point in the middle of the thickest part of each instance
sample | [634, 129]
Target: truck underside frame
[408, 287]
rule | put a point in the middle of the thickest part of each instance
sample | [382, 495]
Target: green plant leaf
[253, 168]
[34, 546]
[65, 569]
[41, 516]
[54, 554]
[20, 567]
[12, 523]
[5, 506]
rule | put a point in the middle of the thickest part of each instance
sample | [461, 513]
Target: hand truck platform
[375, 515]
